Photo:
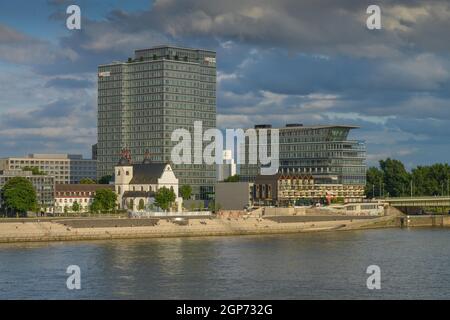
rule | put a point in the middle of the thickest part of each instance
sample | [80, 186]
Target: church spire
[125, 157]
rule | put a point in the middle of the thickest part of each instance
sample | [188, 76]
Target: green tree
[186, 192]
[396, 178]
[164, 197]
[431, 180]
[34, 170]
[393, 179]
[76, 207]
[104, 200]
[95, 207]
[234, 178]
[19, 195]
[211, 206]
[105, 179]
[374, 182]
[141, 205]
[87, 181]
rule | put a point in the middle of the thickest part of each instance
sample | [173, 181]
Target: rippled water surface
[414, 264]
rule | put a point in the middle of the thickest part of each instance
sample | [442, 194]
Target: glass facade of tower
[141, 102]
[321, 151]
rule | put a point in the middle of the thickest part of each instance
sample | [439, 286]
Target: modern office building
[94, 152]
[323, 152]
[66, 168]
[142, 101]
[227, 168]
[43, 184]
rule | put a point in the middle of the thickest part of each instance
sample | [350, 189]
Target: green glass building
[141, 101]
[323, 152]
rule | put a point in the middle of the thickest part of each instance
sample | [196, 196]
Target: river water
[414, 263]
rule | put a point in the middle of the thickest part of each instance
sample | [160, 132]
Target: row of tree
[392, 179]
[19, 197]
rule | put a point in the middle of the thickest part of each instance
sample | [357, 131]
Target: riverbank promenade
[126, 228]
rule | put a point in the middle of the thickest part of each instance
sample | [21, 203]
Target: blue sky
[305, 61]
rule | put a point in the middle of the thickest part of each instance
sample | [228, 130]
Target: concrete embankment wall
[424, 221]
[121, 223]
[294, 219]
[54, 231]
[446, 221]
[181, 231]
[108, 223]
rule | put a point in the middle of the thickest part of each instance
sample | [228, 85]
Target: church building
[137, 183]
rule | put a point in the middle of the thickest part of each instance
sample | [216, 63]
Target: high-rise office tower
[141, 102]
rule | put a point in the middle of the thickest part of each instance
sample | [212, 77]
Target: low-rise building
[66, 168]
[43, 184]
[289, 189]
[83, 194]
[136, 184]
[233, 195]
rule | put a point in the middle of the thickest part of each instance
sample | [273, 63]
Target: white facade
[65, 204]
[130, 187]
[83, 194]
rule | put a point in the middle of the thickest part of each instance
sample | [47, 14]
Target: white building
[83, 194]
[137, 184]
[228, 168]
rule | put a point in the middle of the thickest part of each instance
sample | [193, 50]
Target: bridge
[404, 202]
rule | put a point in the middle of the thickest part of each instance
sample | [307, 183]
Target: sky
[286, 61]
